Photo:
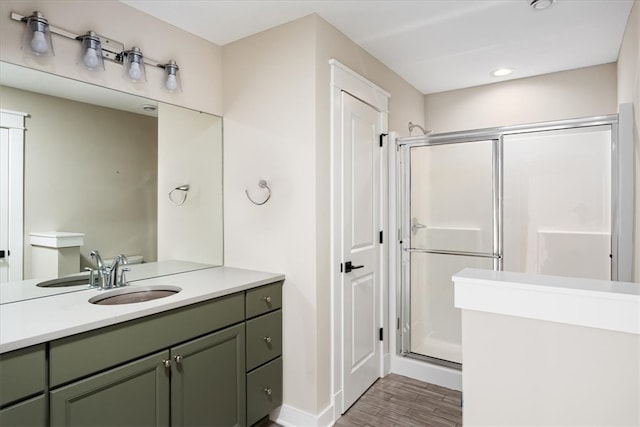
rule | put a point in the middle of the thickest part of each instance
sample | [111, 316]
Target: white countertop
[26, 289]
[584, 302]
[39, 320]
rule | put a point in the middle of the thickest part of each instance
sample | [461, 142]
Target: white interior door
[11, 189]
[361, 226]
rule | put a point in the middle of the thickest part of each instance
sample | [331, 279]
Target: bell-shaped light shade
[134, 66]
[91, 52]
[172, 77]
[37, 37]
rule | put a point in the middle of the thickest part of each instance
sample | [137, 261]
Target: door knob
[348, 267]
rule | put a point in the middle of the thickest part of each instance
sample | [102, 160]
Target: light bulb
[90, 58]
[134, 71]
[39, 42]
[172, 83]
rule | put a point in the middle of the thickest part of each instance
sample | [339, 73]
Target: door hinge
[381, 334]
[398, 324]
[382, 135]
[381, 240]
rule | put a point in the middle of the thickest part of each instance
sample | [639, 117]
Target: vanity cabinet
[215, 363]
[197, 383]
[23, 386]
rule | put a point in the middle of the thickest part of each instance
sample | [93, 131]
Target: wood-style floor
[397, 401]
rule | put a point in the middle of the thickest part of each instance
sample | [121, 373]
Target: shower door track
[619, 200]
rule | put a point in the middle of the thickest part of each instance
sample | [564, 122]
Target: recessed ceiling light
[501, 72]
[540, 4]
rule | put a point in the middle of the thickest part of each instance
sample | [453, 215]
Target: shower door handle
[348, 267]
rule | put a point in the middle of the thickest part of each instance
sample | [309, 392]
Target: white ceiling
[436, 45]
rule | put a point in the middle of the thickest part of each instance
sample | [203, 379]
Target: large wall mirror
[91, 166]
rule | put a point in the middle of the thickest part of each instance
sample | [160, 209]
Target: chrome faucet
[117, 276]
[107, 277]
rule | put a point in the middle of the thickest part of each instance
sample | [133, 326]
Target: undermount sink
[60, 282]
[133, 294]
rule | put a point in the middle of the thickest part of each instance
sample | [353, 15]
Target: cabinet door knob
[268, 391]
[267, 299]
[178, 359]
[267, 340]
[167, 363]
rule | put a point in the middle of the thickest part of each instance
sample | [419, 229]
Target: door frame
[14, 122]
[343, 79]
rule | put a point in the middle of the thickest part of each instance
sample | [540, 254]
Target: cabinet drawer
[264, 299]
[31, 413]
[22, 373]
[264, 390]
[264, 339]
[84, 354]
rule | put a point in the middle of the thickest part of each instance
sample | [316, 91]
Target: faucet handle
[122, 279]
[93, 278]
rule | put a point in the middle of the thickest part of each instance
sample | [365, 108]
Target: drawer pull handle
[167, 363]
[268, 391]
[267, 340]
[178, 359]
[267, 299]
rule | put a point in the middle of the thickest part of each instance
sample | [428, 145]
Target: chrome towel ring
[261, 184]
[184, 189]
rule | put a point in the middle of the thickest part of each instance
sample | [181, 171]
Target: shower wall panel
[557, 202]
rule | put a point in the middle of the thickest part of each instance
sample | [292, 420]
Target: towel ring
[261, 184]
[184, 189]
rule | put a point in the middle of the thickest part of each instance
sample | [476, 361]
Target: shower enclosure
[537, 199]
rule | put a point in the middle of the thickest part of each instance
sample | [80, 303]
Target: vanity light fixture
[134, 65]
[172, 80]
[501, 72]
[36, 38]
[91, 52]
[95, 48]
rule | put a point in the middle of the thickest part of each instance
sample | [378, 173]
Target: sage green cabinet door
[208, 380]
[30, 413]
[135, 394]
[22, 373]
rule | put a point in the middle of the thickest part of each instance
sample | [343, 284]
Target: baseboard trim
[423, 371]
[288, 416]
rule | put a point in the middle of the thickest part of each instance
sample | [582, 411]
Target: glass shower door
[450, 192]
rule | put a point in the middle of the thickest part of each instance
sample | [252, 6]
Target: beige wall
[189, 152]
[582, 92]
[269, 123]
[78, 179]
[277, 127]
[629, 91]
[199, 60]
[527, 372]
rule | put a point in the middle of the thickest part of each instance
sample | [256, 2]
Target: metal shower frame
[621, 203]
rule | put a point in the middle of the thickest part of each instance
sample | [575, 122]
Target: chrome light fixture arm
[112, 50]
